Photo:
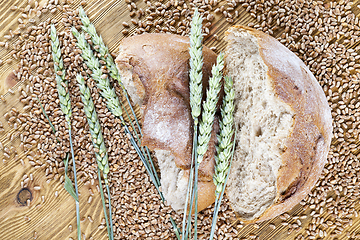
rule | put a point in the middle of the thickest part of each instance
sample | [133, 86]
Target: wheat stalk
[112, 100]
[114, 73]
[195, 86]
[200, 144]
[225, 148]
[97, 139]
[65, 105]
[209, 107]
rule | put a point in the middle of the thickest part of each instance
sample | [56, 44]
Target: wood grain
[51, 219]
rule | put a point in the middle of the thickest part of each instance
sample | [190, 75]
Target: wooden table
[50, 219]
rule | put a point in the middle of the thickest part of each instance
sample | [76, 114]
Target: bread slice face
[284, 126]
[173, 182]
[263, 123]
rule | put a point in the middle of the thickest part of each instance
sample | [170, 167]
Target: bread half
[284, 126]
[155, 72]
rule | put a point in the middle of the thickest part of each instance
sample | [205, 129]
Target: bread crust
[159, 64]
[309, 142]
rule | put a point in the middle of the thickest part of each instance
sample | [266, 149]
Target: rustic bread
[154, 69]
[284, 126]
[282, 117]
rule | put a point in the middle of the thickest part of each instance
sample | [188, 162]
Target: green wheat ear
[224, 148]
[196, 64]
[102, 81]
[61, 83]
[98, 142]
[95, 128]
[209, 107]
[65, 105]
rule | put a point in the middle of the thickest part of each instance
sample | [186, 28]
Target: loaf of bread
[282, 118]
[155, 72]
[284, 126]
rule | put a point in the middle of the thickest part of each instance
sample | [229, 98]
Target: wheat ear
[195, 86]
[209, 107]
[97, 139]
[65, 105]
[105, 56]
[100, 46]
[102, 81]
[196, 64]
[224, 148]
[61, 83]
[101, 154]
[112, 100]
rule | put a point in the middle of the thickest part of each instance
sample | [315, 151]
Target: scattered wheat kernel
[101, 226]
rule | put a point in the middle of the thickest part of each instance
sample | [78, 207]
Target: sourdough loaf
[282, 118]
